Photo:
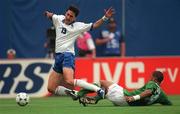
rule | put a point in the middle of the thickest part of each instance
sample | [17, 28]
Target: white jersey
[67, 34]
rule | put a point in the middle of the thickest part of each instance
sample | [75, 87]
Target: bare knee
[70, 82]
[53, 82]
[105, 84]
[51, 89]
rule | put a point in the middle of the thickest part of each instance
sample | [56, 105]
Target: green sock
[97, 98]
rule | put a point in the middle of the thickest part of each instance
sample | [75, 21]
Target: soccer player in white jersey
[67, 30]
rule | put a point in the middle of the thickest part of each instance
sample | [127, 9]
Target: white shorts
[116, 95]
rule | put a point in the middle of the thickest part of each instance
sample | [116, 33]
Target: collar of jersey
[70, 23]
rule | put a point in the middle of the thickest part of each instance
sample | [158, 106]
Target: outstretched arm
[144, 94]
[108, 13]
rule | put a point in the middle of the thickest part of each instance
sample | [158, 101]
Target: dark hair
[158, 76]
[74, 9]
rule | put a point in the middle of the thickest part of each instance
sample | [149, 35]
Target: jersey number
[64, 30]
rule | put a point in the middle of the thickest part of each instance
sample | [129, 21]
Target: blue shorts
[65, 59]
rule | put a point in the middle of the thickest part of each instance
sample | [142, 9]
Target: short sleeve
[90, 43]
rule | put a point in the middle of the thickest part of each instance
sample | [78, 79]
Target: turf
[64, 105]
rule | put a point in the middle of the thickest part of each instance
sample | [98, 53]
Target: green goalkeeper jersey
[158, 96]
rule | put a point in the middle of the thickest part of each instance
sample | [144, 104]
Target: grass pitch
[64, 105]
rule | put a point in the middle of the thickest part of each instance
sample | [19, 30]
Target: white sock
[60, 90]
[86, 85]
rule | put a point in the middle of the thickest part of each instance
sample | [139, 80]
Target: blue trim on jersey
[91, 27]
[65, 59]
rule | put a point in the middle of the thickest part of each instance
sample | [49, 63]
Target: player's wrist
[136, 97]
[104, 18]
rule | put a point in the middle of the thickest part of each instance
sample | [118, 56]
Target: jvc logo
[24, 77]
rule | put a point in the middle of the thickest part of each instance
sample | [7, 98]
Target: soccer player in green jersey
[149, 94]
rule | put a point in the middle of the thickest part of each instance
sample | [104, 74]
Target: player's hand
[45, 13]
[129, 98]
[48, 14]
[109, 12]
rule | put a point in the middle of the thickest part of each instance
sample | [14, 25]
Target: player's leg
[105, 84]
[54, 84]
[56, 77]
[56, 74]
[93, 100]
[83, 91]
[75, 95]
[53, 81]
[68, 74]
[114, 92]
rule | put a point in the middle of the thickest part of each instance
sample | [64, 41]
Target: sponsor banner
[131, 73]
[28, 76]
[31, 75]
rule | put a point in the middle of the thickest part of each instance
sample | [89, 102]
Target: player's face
[112, 26]
[69, 17]
[154, 79]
